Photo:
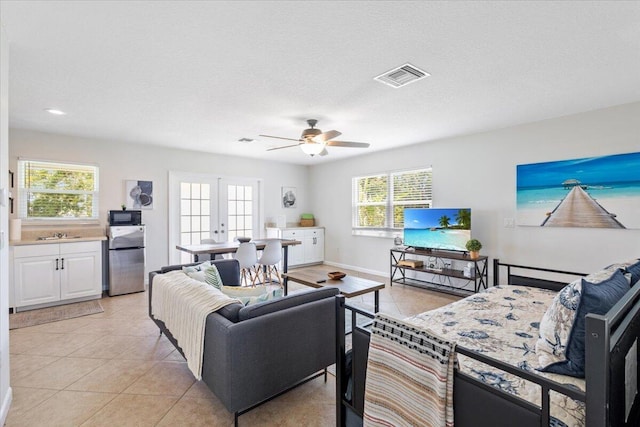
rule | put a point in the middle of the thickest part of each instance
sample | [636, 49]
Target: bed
[496, 380]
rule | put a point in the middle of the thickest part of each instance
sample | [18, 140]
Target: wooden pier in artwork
[579, 209]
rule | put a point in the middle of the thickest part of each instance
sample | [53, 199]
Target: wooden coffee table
[349, 286]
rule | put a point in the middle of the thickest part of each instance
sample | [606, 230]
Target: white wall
[121, 161]
[479, 171]
[5, 390]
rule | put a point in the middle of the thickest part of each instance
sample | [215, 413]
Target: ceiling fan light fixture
[312, 148]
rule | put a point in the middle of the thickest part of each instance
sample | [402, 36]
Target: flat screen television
[437, 228]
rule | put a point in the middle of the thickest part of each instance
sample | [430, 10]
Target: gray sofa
[254, 353]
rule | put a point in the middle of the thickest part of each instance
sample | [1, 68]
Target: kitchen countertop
[67, 240]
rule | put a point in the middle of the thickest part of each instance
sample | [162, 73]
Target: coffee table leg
[376, 302]
[286, 285]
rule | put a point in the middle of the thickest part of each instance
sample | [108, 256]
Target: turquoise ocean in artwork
[613, 181]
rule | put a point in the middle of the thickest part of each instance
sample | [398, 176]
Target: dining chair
[247, 256]
[268, 262]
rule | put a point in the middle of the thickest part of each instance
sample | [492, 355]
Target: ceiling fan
[313, 141]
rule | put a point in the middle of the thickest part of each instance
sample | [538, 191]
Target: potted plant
[124, 207]
[474, 246]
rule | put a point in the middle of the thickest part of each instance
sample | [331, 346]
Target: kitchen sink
[57, 237]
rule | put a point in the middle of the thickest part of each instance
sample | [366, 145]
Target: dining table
[213, 249]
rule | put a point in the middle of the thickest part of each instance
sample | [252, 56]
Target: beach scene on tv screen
[437, 228]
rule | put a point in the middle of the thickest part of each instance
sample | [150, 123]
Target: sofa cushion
[283, 303]
[230, 312]
[597, 298]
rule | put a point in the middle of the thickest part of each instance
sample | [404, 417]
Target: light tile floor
[113, 369]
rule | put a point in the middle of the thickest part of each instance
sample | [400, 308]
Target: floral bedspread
[503, 323]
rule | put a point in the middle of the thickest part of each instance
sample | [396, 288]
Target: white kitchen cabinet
[54, 272]
[311, 251]
[313, 246]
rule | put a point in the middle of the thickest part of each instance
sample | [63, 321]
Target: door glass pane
[195, 190]
[185, 207]
[195, 207]
[185, 238]
[232, 210]
[205, 223]
[185, 190]
[204, 207]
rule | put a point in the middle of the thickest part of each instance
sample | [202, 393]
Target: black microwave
[125, 217]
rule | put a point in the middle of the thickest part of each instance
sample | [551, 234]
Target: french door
[206, 206]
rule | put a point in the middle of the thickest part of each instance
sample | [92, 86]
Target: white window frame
[387, 230]
[23, 192]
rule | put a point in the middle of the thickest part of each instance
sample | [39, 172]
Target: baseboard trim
[6, 404]
[358, 269]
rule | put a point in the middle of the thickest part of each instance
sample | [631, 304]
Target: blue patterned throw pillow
[597, 298]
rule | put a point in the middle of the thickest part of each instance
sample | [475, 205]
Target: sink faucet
[60, 235]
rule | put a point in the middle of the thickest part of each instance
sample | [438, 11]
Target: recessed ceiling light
[54, 111]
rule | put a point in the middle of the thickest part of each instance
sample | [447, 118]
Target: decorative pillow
[212, 277]
[597, 298]
[249, 296]
[196, 271]
[634, 270]
[632, 267]
[557, 322]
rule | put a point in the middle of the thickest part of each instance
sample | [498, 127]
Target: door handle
[62, 264]
[57, 268]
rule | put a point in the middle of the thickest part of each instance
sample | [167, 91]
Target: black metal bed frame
[611, 357]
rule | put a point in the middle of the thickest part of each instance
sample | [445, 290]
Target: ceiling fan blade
[348, 144]
[324, 152]
[280, 137]
[284, 146]
[326, 136]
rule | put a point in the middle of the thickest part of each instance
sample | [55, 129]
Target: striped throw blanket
[409, 376]
[183, 304]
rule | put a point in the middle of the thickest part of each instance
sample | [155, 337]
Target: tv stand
[438, 271]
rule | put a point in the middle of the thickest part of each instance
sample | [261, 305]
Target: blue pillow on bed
[634, 269]
[597, 298]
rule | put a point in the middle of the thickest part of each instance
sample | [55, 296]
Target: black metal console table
[439, 265]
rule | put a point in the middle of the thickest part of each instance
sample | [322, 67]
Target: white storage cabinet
[50, 273]
[311, 251]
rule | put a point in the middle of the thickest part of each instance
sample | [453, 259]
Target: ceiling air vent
[402, 76]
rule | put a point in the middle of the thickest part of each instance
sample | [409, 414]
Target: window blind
[379, 200]
[53, 190]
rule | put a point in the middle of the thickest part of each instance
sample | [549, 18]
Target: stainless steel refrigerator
[126, 259]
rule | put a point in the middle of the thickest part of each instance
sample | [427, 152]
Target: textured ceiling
[201, 75]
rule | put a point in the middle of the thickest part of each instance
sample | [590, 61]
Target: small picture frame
[289, 197]
[139, 194]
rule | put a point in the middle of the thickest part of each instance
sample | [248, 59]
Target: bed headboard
[544, 278]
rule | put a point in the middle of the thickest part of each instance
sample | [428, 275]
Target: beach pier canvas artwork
[599, 192]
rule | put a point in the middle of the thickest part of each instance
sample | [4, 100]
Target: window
[50, 190]
[379, 200]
